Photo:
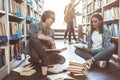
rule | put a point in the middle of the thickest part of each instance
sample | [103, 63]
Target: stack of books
[77, 69]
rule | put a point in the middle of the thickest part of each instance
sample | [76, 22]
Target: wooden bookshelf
[110, 10]
[14, 27]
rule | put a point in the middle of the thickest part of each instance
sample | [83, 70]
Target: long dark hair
[47, 14]
[99, 17]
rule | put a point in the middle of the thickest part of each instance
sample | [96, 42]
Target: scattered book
[56, 69]
[56, 50]
[83, 48]
[61, 76]
[25, 71]
[28, 70]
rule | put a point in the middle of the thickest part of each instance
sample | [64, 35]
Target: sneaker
[102, 64]
[89, 63]
[65, 41]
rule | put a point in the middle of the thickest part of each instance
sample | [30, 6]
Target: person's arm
[65, 10]
[106, 37]
[49, 37]
[76, 3]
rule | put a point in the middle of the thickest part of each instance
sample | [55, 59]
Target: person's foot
[89, 63]
[102, 64]
[65, 41]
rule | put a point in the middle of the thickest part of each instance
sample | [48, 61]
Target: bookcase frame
[7, 17]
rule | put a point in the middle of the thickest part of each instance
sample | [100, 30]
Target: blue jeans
[70, 29]
[103, 55]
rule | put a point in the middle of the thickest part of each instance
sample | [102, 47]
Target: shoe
[89, 63]
[102, 64]
[65, 41]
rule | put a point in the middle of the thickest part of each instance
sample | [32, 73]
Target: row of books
[2, 29]
[2, 5]
[16, 50]
[16, 28]
[111, 14]
[114, 30]
[97, 4]
[22, 9]
[2, 57]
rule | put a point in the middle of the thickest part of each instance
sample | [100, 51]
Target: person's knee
[77, 51]
[62, 60]
[113, 46]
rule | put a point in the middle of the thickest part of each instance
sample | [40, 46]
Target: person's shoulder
[105, 28]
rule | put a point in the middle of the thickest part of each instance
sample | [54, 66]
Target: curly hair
[48, 14]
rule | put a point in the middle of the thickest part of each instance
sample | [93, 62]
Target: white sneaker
[102, 64]
[64, 40]
[89, 63]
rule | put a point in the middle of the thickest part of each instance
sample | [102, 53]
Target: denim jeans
[103, 55]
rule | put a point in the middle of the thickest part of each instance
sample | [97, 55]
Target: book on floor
[58, 68]
[61, 76]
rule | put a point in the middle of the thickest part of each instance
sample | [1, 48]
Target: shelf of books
[109, 9]
[15, 17]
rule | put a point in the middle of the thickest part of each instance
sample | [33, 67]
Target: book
[58, 68]
[56, 50]
[61, 76]
[83, 48]
[77, 64]
[25, 71]
[28, 70]
[77, 73]
[1, 64]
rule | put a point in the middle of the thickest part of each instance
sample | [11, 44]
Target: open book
[84, 48]
[56, 50]
[58, 68]
[61, 76]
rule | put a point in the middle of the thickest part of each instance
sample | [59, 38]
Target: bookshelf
[15, 17]
[110, 10]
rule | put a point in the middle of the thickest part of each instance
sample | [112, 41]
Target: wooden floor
[111, 72]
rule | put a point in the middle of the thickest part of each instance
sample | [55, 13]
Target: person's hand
[52, 43]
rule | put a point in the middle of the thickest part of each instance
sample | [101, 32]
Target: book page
[60, 76]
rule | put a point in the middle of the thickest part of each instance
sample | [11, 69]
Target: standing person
[69, 17]
[100, 49]
[42, 31]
